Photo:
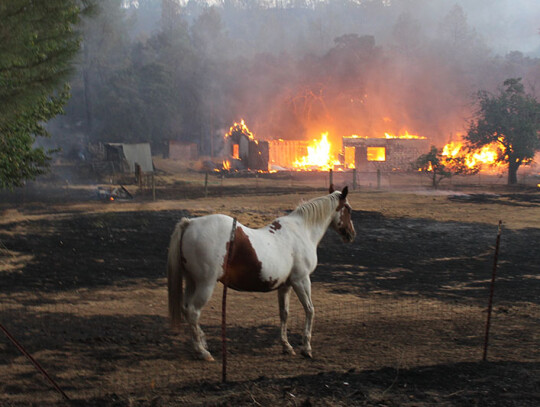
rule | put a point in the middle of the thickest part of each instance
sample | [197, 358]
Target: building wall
[283, 153]
[183, 151]
[400, 153]
[252, 154]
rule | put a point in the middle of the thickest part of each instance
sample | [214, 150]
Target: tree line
[153, 71]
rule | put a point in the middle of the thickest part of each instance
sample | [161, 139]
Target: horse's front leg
[302, 289]
[283, 299]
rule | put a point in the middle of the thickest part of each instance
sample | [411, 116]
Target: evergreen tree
[37, 46]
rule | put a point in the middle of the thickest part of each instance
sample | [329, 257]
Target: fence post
[331, 176]
[378, 179]
[206, 184]
[354, 179]
[224, 334]
[153, 187]
[224, 306]
[491, 291]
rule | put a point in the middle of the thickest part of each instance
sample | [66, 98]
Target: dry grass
[256, 208]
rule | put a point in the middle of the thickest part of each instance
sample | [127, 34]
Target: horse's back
[260, 259]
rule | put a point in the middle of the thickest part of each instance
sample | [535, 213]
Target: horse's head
[342, 219]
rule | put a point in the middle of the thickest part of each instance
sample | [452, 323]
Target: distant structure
[385, 154]
[245, 152]
[181, 151]
[122, 158]
[283, 153]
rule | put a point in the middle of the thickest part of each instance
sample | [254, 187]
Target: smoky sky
[370, 68]
[293, 69]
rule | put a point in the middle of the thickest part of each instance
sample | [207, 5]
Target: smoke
[367, 68]
[293, 69]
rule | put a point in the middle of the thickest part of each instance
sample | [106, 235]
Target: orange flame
[405, 135]
[319, 156]
[226, 165]
[402, 135]
[484, 158]
[242, 128]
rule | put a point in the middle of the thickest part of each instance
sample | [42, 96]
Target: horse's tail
[175, 276]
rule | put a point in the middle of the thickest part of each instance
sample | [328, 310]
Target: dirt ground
[400, 313]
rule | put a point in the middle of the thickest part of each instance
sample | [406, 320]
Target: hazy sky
[505, 25]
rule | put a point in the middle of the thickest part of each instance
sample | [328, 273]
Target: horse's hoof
[288, 350]
[206, 356]
[307, 354]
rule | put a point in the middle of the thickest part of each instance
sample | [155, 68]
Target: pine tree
[37, 45]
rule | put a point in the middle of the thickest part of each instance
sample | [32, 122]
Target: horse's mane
[317, 209]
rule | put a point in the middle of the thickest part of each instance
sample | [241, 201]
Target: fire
[405, 135]
[349, 156]
[485, 156]
[226, 165]
[319, 156]
[402, 135]
[242, 128]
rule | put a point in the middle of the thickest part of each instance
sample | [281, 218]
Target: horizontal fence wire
[122, 353]
[117, 340]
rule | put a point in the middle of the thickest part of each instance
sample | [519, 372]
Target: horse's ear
[344, 193]
[331, 189]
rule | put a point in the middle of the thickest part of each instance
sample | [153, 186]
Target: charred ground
[77, 256]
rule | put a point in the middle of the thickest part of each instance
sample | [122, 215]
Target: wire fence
[212, 184]
[103, 344]
[92, 311]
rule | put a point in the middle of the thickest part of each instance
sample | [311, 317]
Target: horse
[279, 256]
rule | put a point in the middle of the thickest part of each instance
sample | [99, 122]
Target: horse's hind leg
[195, 298]
[283, 299]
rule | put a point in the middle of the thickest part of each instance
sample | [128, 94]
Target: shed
[249, 153]
[183, 151]
[123, 157]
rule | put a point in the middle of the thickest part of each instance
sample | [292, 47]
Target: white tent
[139, 153]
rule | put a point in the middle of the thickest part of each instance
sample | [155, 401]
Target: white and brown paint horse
[279, 256]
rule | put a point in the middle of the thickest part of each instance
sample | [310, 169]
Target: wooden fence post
[153, 187]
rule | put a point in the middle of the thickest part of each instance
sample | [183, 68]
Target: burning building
[284, 153]
[244, 151]
[392, 153]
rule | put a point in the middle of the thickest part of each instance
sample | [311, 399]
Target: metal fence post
[224, 306]
[491, 291]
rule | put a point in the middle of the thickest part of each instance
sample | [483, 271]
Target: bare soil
[400, 313]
